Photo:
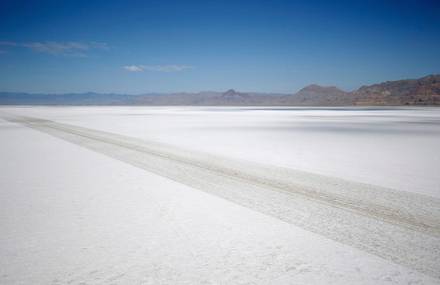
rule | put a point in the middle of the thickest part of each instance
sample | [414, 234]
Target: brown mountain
[316, 95]
[422, 91]
[232, 94]
[230, 97]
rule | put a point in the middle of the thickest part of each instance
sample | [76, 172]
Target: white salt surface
[389, 147]
[70, 215]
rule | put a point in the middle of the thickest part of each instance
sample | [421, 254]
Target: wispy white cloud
[159, 68]
[133, 68]
[78, 49]
[56, 48]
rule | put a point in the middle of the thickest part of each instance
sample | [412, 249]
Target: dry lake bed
[219, 195]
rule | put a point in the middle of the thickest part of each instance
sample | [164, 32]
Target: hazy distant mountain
[174, 98]
[320, 95]
[423, 91]
[10, 98]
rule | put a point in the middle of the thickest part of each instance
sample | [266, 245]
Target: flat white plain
[72, 215]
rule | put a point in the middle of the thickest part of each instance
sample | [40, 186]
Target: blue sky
[166, 46]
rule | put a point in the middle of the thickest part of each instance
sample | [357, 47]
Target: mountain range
[422, 91]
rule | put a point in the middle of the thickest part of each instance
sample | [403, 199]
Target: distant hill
[313, 95]
[422, 91]
[10, 98]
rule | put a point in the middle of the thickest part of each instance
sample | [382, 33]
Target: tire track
[399, 226]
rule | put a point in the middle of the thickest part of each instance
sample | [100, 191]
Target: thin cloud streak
[158, 68]
[76, 49]
[133, 68]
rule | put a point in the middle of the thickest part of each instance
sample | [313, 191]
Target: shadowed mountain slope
[423, 91]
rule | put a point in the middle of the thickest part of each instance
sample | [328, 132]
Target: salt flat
[74, 209]
[390, 147]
